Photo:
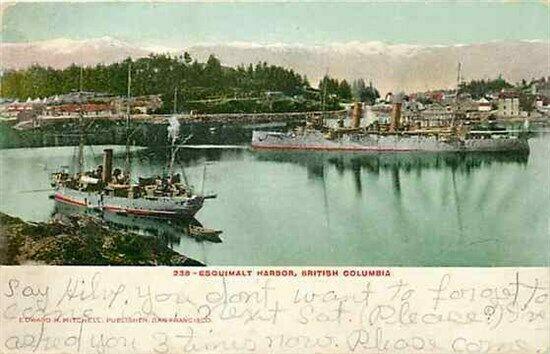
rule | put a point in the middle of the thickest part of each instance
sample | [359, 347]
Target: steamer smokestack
[107, 165]
[356, 114]
[395, 122]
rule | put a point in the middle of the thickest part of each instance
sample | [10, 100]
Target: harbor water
[319, 208]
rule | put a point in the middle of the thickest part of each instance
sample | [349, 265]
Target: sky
[309, 23]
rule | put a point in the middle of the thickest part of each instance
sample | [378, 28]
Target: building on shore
[73, 104]
[508, 104]
[484, 105]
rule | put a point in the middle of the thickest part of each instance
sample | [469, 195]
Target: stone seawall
[248, 118]
[222, 118]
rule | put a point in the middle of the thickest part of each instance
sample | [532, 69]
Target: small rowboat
[203, 233]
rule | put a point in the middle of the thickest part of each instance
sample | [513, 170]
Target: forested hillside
[203, 87]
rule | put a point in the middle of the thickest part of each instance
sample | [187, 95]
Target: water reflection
[189, 156]
[407, 162]
[169, 231]
[397, 166]
[374, 163]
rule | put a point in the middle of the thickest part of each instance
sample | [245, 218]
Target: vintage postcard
[275, 177]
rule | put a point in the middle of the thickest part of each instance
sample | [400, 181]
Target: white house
[483, 105]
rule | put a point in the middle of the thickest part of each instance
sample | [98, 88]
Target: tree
[187, 58]
[371, 94]
[213, 72]
[306, 81]
[358, 88]
[480, 88]
[328, 86]
[527, 102]
[364, 93]
[344, 90]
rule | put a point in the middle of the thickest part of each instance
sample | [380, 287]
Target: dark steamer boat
[112, 191]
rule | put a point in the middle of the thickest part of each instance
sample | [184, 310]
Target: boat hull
[315, 140]
[141, 207]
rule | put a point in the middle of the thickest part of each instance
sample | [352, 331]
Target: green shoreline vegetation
[205, 87]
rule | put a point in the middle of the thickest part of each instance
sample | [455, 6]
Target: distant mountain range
[390, 67]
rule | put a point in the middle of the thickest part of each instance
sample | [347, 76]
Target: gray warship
[392, 137]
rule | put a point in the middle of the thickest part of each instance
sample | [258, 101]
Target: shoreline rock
[81, 241]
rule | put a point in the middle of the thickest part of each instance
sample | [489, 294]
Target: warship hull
[316, 140]
[157, 207]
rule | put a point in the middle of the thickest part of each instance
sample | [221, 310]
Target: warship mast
[80, 159]
[458, 80]
[173, 148]
[326, 79]
[175, 100]
[127, 162]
